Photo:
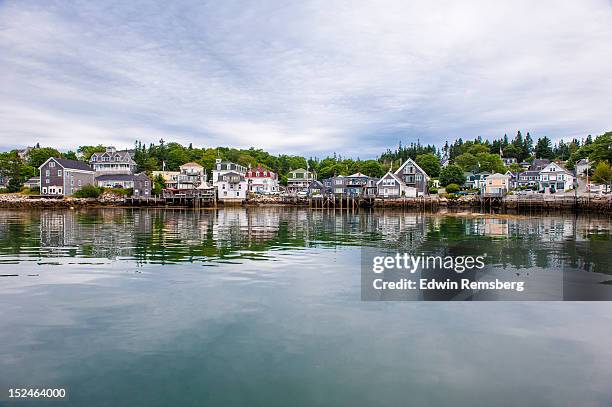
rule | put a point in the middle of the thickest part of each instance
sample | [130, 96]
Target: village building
[316, 188]
[556, 178]
[582, 167]
[538, 164]
[60, 177]
[391, 186]
[232, 186]
[170, 178]
[475, 180]
[33, 182]
[262, 180]
[496, 185]
[112, 161]
[191, 176]
[299, 180]
[509, 160]
[528, 179]
[223, 167]
[414, 177]
[140, 184]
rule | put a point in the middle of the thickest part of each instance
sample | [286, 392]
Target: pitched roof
[358, 175]
[395, 177]
[72, 164]
[410, 160]
[192, 164]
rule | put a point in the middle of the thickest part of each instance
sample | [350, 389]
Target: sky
[302, 77]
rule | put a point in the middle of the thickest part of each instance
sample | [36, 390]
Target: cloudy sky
[308, 77]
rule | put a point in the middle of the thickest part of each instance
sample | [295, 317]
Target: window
[419, 177]
[52, 164]
[93, 158]
[47, 173]
[47, 181]
[79, 182]
[71, 181]
[59, 173]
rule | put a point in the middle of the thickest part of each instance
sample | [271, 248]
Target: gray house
[317, 188]
[413, 176]
[140, 183]
[112, 161]
[64, 177]
[390, 186]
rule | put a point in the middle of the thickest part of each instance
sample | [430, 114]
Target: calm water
[262, 307]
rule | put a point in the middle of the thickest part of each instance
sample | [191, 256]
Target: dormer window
[51, 164]
[93, 158]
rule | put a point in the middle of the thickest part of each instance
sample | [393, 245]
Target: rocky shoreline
[601, 204]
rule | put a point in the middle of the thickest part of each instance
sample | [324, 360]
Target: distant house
[64, 177]
[582, 167]
[445, 161]
[509, 160]
[359, 184]
[513, 181]
[525, 165]
[556, 178]
[112, 161]
[170, 178]
[262, 180]
[24, 152]
[538, 164]
[391, 186]
[33, 182]
[232, 186]
[496, 185]
[413, 176]
[139, 183]
[316, 188]
[299, 180]
[191, 176]
[529, 179]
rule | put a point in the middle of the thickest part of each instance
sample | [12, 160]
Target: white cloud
[308, 77]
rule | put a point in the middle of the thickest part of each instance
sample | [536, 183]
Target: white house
[391, 186]
[232, 186]
[582, 166]
[555, 178]
[223, 167]
[191, 176]
[112, 161]
[262, 180]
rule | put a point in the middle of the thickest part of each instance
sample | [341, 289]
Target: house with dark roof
[414, 177]
[582, 167]
[316, 188]
[390, 186]
[140, 184]
[112, 161]
[59, 176]
[556, 178]
[538, 164]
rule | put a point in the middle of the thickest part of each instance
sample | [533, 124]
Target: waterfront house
[191, 176]
[513, 181]
[582, 167]
[170, 178]
[223, 167]
[391, 186]
[262, 180]
[338, 185]
[112, 161]
[59, 176]
[529, 179]
[33, 182]
[231, 187]
[359, 184]
[556, 178]
[413, 176]
[496, 185]
[475, 180]
[139, 183]
[316, 188]
[299, 180]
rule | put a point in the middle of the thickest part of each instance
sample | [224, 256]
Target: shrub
[88, 191]
[433, 190]
[452, 188]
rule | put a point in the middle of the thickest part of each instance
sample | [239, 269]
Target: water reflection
[239, 234]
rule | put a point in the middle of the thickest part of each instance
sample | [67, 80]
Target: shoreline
[598, 204]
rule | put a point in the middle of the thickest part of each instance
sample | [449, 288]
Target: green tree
[602, 173]
[38, 156]
[87, 151]
[452, 174]
[468, 162]
[372, 168]
[491, 163]
[543, 148]
[13, 167]
[430, 163]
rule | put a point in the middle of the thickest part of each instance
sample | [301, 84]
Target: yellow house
[496, 185]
